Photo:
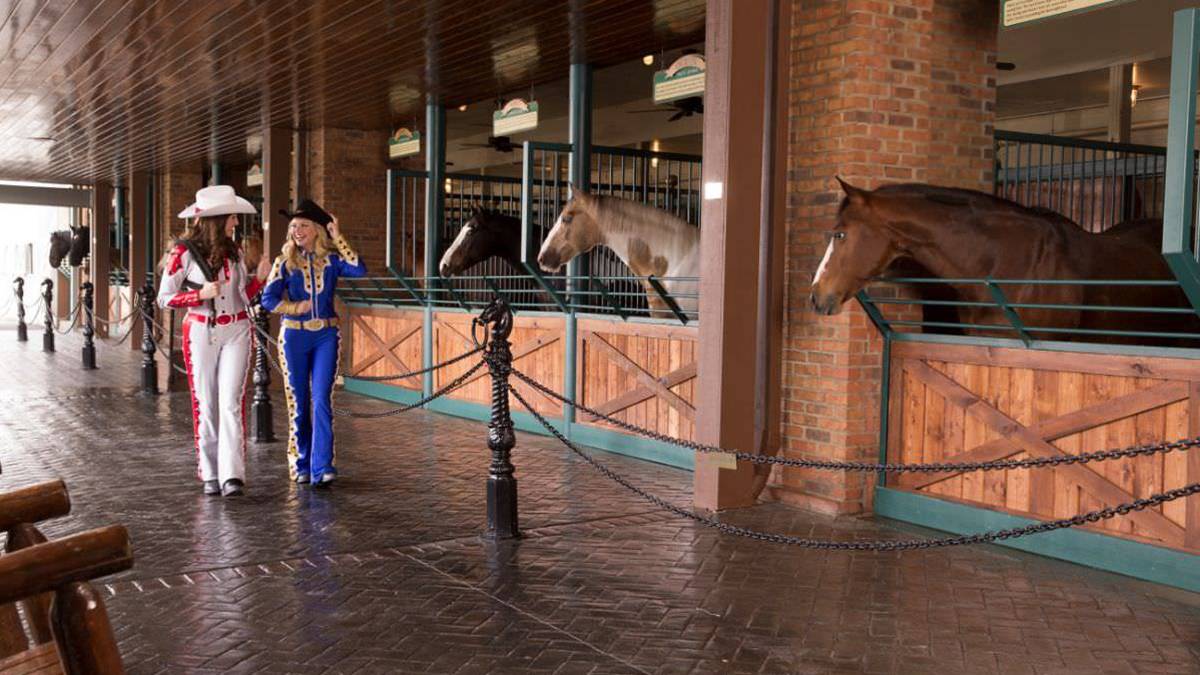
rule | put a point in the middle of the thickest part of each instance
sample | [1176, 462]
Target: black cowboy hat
[310, 210]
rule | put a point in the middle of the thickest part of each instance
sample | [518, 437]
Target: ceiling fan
[684, 107]
[497, 143]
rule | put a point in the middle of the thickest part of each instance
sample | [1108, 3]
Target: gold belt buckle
[314, 324]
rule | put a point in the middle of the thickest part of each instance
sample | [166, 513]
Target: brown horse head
[860, 248]
[81, 245]
[488, 233]
[576, 231]
[60, 246]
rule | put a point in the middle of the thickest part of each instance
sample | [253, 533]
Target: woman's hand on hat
[334, 228]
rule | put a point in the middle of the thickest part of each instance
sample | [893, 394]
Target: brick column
[177, 189]
[881, 91]
[347, 176]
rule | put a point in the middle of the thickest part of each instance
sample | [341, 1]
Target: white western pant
[217, 359]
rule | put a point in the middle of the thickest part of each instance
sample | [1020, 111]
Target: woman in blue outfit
[301, 286]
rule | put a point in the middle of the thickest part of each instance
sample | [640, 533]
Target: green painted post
[579, 168]
[884, 402]
[389, 231]
[1009, 312]
[435, 202]
[1179, 187]
[122, 231]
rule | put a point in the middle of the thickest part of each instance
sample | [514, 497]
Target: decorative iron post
[149, 362]
[89, 330]
[22, 330]
[502, 484]
[262, 377]
[48, 298]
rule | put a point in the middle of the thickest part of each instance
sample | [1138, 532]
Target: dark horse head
[73, 244]
[488, 233]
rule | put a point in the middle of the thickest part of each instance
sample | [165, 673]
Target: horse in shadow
[73, 244]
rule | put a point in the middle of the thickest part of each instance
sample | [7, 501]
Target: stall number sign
[1017, 12]
[516, 116]
[404, 143]
[684, 78]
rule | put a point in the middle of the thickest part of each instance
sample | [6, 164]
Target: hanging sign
[1017, 12]
[404, 143]
[254, 176]
[684, 78]
[516, 116]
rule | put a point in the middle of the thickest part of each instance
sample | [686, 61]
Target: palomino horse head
[576, 231]
[488, 233]
[860, 248]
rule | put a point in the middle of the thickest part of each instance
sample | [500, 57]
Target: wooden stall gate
[962, 403]
[639, 372]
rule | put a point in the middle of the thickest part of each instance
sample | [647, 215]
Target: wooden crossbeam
[644, 378]
[643, 393]
[1064, 425]
[1100, 487]
[383, 349]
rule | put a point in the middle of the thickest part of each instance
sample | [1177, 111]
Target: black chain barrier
[458, 382]
[875, 545]
[833, 465]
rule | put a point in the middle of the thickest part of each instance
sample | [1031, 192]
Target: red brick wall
[347, 176]
[176, 190]
[880, 91]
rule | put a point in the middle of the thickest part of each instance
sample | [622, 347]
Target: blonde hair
[292, 252]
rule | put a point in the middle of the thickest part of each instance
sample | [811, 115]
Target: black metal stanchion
[89, 346]
[149, 362]
[502, 484]
[22, 330]
[48, 298]
[263, 433]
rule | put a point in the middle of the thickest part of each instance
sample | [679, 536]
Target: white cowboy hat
[216, 200]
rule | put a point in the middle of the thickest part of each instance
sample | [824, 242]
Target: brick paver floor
[386, 572]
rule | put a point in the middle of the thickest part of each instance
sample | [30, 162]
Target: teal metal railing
[604, 285]
[678, 296]
[1011, 326]
[1179, 244]
[1096, 184]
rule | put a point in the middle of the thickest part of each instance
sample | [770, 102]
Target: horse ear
[579, 193]
[856, 195]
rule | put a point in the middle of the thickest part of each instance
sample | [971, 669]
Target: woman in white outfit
[206, 274]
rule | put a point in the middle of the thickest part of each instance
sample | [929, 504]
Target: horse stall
[1023, 389]
[590, 333]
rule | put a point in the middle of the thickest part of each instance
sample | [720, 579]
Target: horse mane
[974, 200]
[629, 216]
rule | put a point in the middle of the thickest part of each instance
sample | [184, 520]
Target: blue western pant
[309, 344]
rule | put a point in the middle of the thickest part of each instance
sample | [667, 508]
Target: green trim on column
[1181, 133]
[579, 169]
[1113, 554]
[435, 202]
[884, 402]
[602, 439]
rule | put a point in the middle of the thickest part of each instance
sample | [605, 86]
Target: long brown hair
[207, 234]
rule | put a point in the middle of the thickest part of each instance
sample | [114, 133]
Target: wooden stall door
[951, 403]
[643, 374]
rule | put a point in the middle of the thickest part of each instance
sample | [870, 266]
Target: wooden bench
[51, 619]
